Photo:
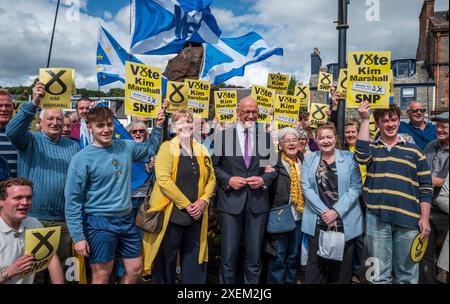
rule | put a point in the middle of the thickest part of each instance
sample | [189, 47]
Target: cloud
[298, 26]
[25, 28]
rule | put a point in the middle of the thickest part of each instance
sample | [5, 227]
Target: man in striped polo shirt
[398, 194]
[8, 153]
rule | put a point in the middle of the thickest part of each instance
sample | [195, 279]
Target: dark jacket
[228, 162]
[280, 191]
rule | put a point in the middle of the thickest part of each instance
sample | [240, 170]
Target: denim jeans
[389, 248]
[282, 268]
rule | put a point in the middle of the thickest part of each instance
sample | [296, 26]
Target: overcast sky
[295, 25]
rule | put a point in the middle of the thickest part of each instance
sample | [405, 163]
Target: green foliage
[292, 83]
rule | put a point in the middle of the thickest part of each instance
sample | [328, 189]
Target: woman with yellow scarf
[286, 190]
[184, 186]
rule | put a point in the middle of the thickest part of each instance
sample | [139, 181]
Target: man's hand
[424, 227]
[38, 93]
[335, 100]
[82, 248]
[437, 182]
[20, 265]
[237, 182]
[329, 217]
[196, 209]
[255, 182]
[165, 104]
[160, 117]
[364, 110]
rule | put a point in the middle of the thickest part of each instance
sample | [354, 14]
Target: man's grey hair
[412, 102]
[42, 113]
[285, 131]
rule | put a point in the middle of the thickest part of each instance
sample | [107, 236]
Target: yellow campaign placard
[325, 81]
[318, 114]
[391, 84]
[225, 105]
[198, 97]
[43, 244]
[302, 92]
[278, 82]
[418, 248]
[286, 111]
[342, 83]
[142, 90]
[58, 88]
[369, 79]
[265, 97]
[177, 96]
[373, 130]
[16, 108]
[74, 89]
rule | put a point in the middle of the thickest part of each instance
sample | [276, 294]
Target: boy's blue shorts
[112, 237]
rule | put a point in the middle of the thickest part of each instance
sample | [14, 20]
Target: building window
[333, 68]
[407, 95]
[404, 68]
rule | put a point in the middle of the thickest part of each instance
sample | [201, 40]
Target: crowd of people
[291, 204]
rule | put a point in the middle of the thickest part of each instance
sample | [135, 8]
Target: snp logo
[373, 12]
[373, 270]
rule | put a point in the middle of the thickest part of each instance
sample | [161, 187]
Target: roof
[440, 20]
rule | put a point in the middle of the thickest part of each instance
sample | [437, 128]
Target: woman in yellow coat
[184, 186]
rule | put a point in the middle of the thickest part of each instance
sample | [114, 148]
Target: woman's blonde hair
[182, 114]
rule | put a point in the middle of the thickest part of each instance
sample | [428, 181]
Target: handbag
[281, 219]
[150, 222]
[331, 244]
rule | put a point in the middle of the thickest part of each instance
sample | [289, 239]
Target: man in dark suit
[243, 162]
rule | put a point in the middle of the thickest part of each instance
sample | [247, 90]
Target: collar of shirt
[400, 141]
[240, 128]
[427, 125]
[4, 228]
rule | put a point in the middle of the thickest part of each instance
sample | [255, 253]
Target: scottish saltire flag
[163, 27]
[138, 172]
[111, 59]
[230, 56]
[85, 135]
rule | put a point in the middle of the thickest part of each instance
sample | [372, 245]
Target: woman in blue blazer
[331, 183]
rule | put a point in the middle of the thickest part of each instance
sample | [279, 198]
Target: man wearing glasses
[422, 133]
[243, 160]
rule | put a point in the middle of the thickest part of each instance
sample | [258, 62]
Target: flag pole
[53, 35]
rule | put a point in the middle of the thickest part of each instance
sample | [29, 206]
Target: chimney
[316, 62]
[426, 12]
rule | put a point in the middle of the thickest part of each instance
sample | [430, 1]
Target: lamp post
[342, 27]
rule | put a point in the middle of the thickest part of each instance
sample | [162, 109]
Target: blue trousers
[282, 268]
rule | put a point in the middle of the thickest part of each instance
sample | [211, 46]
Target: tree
[292, 83]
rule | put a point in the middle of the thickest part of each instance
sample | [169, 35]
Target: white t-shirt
[12, 246]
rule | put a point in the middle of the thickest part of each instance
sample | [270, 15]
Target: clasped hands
[196, 208]
[330, 217]
[254, 182]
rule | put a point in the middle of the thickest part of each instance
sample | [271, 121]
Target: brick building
[433, 50]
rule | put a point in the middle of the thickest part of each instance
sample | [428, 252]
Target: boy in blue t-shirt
[98, 197]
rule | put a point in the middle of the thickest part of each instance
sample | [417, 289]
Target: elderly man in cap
[437, 155]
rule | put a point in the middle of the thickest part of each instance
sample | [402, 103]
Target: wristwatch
[4, 274]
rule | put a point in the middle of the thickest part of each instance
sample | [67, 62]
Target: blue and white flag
[163, 27]
[85, 135]
[111, 59]
[230, 56]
